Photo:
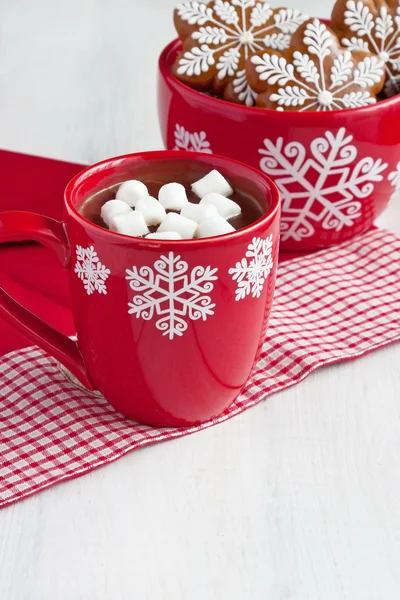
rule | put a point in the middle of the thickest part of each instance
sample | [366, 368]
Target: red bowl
[336, 170]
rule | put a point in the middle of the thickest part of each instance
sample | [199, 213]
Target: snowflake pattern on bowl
[252, 271]
[90, 270]
[227, 33]
[376, 31]
[333, 199]
[191, 142]
[323, 77]
[394, 177]
[171, 294]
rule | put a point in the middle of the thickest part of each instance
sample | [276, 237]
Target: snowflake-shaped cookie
[221, 35]
[171, 294]
[315, 73]
[252, 271]
[374, 26]
[90, 270]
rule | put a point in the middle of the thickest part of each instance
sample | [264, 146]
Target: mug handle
[18, 226]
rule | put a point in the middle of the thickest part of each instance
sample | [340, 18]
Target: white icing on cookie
[320, 78]
[229, 32]
[377, 32]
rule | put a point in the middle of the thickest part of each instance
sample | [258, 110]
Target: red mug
[167, 331]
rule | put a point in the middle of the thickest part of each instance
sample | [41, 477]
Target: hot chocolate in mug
[167, 330]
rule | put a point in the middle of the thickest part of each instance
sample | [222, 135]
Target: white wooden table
[298, 498]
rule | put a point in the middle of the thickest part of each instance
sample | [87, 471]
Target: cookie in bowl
[315, 73]
[219, 37]
[373, 26]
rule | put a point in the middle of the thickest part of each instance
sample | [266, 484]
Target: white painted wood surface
[298, 498]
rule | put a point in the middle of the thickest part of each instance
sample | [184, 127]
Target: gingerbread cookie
[220, 36]
[374, 26]
[315, 73]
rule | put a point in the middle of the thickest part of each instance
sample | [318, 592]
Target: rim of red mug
[269, 216]
[165, 69]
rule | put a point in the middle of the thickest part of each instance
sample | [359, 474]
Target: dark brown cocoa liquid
[91, 208]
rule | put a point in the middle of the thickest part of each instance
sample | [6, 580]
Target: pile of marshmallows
[206, 219]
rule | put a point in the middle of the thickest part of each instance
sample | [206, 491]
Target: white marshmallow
[151, 209]
[213, 182]
[173, 222]
[165, 235]
[131, 191]
[131, 223]
[226, 208]
[198, 212]
[113, 208]
[214, 226]
[172, 196]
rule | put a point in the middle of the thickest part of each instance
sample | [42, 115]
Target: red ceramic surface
[336, 170]
[167, 331]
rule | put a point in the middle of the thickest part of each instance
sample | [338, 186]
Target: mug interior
[172, 166]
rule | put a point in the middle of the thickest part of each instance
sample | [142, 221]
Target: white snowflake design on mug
[171, 293]
[90, 270]
[251, 272]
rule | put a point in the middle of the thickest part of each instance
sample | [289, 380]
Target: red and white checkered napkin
[331, 306]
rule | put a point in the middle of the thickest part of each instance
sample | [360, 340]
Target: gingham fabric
[334, 305]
